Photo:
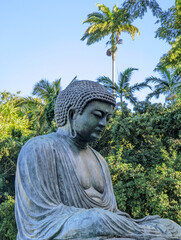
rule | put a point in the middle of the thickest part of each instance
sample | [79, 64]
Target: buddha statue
[63, 186]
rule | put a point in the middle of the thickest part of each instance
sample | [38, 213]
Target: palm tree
[168, 84]
[48, 92]
[33, 108]
[123, 89]
[106, 23]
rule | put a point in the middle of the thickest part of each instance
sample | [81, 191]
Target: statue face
[90, 124]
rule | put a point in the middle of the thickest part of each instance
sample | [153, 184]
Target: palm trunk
[121, 100]
[113, 72]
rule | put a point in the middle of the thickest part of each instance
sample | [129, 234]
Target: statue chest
[90, 174]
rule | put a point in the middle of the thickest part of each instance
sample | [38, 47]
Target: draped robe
[50, 202]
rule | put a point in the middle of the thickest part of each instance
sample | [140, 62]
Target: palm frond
[42, 89]
[139, 86]
[131, 98]
[56, 86]
[152, 94]
[106, 81]
[96, 37]
[29, 101]
[156, 93]
[130, 29]
[45, 90]
[164, 72]
[125, 77]
[95, 20]
[94, 15]
[155, 80]
[176, 75]
[104, 9]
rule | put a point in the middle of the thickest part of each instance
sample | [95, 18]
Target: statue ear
[71, 115]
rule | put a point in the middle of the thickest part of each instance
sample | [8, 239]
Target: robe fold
[50, 202]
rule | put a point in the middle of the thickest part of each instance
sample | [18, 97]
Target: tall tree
[107, 22]
[122, 88]
[170, 31]
[33, 108]
[48, 92]
[138, 8]
[168, 84]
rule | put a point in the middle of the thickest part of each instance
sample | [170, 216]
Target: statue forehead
[99, 105]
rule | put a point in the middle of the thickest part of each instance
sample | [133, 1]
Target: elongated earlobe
[72, 117]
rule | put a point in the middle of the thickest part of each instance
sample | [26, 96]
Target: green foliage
[170, 31]
[8, 229]
[32, 109]
[144, 157]
[168, 84]
[107, 22]
[123, 90]
[138, 8]
[48, 92]
[172, 58]
[9, 150]
[170, 23]
[143, 136]
[15, 129]
[20, 119]
[12, 118]
[141, 192]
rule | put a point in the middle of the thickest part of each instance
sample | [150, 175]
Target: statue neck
[73, 141]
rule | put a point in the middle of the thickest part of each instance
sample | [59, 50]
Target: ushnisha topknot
[76, 95]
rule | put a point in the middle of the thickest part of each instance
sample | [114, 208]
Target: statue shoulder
[41, 144]
[40, 141]
[40, 151]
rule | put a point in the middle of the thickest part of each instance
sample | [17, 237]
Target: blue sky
[41, 39]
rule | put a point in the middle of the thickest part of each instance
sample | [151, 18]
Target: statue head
[76, 96]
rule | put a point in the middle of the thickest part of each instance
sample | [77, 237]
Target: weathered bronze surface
[63, 186]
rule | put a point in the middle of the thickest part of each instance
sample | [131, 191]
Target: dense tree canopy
[169, 29]
[138, 8]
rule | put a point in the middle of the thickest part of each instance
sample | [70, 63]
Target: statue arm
[39, 211]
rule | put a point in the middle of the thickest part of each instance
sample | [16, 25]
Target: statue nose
[103, 122]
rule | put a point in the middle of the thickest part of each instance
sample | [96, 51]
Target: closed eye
[98, 114]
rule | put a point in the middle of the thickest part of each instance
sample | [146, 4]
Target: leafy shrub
[144, 158]
[140, 192]
[8, 229]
